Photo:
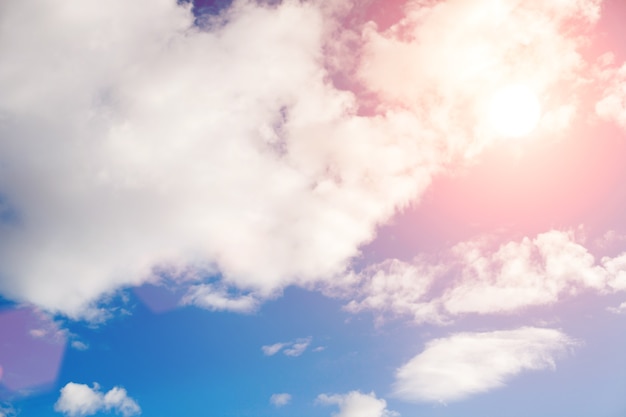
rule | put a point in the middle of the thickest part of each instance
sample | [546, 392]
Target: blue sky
[316, 208]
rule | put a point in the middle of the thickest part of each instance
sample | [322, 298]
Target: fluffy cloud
[294, 348]
[464, 364]
[519, 274]
[80, 400]
[391, 287]
[356, 404]
[280, 400]
[477, 278]
[133, 141]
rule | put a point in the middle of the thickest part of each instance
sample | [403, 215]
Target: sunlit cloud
[477, 278]
[215, 161]
[162, 158]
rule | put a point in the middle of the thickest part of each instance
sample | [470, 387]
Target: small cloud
[294, 348]
[319, 349]
[216, 298]
[298, 347]
[280, 400]
[78, 345]
[78, 400]
[618, 310]
[356, 404]
[271, 350]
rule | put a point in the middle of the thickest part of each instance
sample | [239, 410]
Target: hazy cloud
[7, 410]
[280, 400]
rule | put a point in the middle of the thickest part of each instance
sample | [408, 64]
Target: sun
[514, 111]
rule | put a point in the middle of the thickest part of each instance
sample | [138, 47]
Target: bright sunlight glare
[514, 111]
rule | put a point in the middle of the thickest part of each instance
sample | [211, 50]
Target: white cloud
[465, 364]
[294, 348]
[474, 277]
[356, 404]
[391, 286]
[530, 272]
[155, 143]
[280, 400]
[158, 145]
[78, 400]
[117, 399]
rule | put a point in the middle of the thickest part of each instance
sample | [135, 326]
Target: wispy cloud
[357, 404]
[465, 364]
[218, 298]
[79, 400]
[271, 350]
[294, 348]
[298, 347]
[7, 410]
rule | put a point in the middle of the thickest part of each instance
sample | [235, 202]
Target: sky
[313, 208]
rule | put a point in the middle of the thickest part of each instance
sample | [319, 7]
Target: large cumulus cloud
[135, 144]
